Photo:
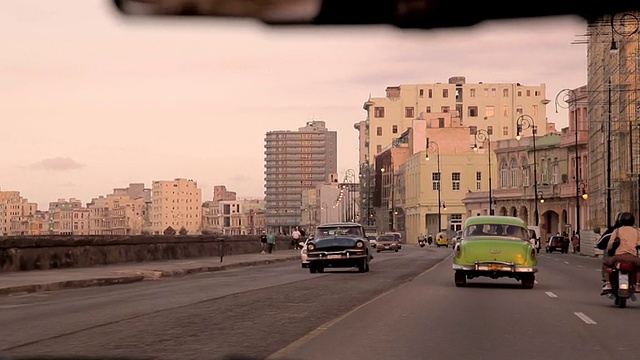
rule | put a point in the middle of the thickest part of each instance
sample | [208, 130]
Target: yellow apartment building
[176, 204]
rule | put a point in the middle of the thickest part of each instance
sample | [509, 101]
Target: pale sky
[91, 101]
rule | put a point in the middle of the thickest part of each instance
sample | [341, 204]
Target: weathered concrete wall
[54, 252]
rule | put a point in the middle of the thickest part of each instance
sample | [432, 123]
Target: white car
[373, 240]
[304, 261]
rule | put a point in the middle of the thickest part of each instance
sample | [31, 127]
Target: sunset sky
[93, 101]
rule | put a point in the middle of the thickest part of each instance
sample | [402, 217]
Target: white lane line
[566, 262]
[536, 281]
[580, 266]
[598, 269]
[550, 294]
[585, 318]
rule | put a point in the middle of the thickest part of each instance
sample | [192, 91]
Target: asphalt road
[249, 311]
[562, 317]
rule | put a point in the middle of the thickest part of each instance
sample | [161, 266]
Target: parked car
[494, 247]
[558, 243]
[339, 245]
[388, 242]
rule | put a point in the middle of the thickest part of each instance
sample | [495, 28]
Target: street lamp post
[432, 146]
[522, 123]
[483, 135]
[569, 97]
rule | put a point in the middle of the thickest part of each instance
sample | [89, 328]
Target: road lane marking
[598, 269]
[580, 266]
[282, 353]
[585, 318]
[566, 262]
[550, 294]
[536, 281]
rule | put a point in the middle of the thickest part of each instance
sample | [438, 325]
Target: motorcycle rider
[602, 245]
[622, 246]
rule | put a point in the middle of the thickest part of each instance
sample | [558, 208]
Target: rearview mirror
[422, 14]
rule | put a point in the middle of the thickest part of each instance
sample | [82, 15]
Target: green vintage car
[495, 246]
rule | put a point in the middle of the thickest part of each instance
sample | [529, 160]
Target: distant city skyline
[124, 102]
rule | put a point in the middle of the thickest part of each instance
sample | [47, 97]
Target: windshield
[501, 230]
[387, 238]
[339, 231]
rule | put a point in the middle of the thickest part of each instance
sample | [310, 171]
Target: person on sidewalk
[295, 239]
[271, 241]
[263, 242]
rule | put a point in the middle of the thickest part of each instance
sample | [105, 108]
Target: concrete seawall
[26, 253]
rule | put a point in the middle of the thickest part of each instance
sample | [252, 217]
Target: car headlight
[359, 244]
[310, 247]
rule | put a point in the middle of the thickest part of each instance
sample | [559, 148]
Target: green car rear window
[500, 230]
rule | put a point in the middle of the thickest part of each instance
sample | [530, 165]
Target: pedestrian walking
[263, 243]
[295, 238]
[271, 242]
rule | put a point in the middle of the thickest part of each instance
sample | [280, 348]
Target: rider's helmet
[627, 219]
[617, 222]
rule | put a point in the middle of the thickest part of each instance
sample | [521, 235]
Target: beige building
[18, 216]
[229, 216]
[296, 161]
[613, 116]
[117, 214]
[494, 107]
[68, 217]
[176, 204]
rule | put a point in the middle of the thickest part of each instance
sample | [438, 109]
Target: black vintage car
[339, 245]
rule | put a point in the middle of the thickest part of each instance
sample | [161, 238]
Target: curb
[134, 276]
[70, 284]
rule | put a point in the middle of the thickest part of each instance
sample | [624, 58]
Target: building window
[486, 92]
[379, 131]
[489, 110]
[490, 130]
[478, 180]
[473, 130]
[440, 122]
[435, 177]
[378, 111]
[505, 110]
[395, 129]
[428, 109]
[528, 92]
[472, 92]
[504, 174]
[534, 110]
[455, 181]
[445, 93]
[505, 130]
[493, 92]
[444, 109]
[378, 149]
[554, 172]
[525, 172]
[458, 94]
[505, 92]
[408, 112]
[430, 93]
[536, 93]
[421, 92]
[519, 93]
[519, 111]
[514, 173]
[473, 111]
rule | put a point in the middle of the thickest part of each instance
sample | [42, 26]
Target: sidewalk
[52, 280]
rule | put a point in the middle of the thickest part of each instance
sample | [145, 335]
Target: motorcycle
[623, 283]
[422, 243]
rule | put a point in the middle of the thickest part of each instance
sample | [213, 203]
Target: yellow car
[442, 239]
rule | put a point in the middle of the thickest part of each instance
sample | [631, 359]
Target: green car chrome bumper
[492, 266]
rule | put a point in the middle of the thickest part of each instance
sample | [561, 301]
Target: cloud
[57, 164]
